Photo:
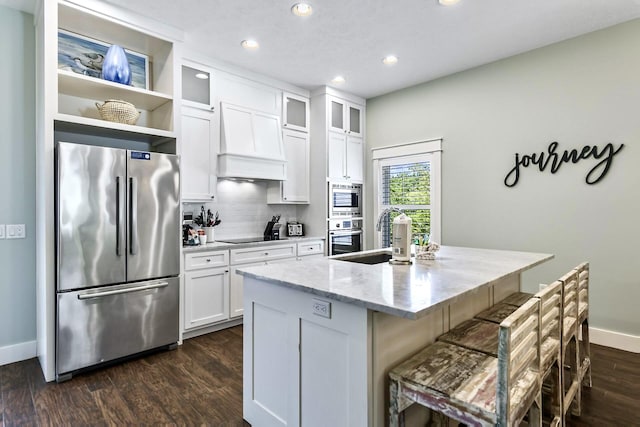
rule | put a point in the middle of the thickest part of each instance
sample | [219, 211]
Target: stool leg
[535, 412]
[586, 350]
[395, 420]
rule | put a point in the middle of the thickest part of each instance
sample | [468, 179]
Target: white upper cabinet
[79, 88]
[295, 189]
[295, 112]
[197, 86]
[345, 157]
[198, 149]
[345, 117]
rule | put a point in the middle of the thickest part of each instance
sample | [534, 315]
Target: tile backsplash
[243, 209]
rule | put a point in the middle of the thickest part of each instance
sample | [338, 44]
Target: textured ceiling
[350, 38]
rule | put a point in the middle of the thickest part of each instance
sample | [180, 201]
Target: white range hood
[251, 145]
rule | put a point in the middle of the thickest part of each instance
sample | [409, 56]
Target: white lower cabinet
[206, 295]
[206, 288]
[247, 257]
[313, 249]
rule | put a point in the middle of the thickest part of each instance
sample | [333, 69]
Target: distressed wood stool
[570, 349]
[473, 387]
[583, 321]
[482, 336]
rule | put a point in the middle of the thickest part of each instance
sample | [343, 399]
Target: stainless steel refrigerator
[117, 255]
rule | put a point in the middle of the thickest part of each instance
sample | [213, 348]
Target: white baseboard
[17, 352]
[615, 339]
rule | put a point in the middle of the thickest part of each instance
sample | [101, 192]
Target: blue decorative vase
[115, 67]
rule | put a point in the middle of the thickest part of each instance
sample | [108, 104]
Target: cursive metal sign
[555, 160]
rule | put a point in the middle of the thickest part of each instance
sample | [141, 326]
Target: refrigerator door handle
[124, 291]
[133, 216]
[118, 217]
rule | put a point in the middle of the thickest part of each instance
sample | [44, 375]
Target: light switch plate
[1, 231]
[15, 231]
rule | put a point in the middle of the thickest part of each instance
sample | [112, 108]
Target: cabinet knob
[208, 259]
[213, 197]
[266, 253]
[226, 271]
[284, 125]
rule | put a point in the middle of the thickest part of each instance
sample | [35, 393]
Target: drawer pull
[208, 259]
[266, 253]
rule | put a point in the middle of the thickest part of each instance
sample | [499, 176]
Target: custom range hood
[251, 145]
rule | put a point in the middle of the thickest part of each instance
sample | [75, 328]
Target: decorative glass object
[115, 67]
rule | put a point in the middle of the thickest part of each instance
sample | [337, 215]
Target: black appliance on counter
[272, 230]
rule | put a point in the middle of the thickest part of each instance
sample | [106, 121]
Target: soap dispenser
[401, 245]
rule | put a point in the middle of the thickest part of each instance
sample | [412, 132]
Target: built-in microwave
[345, 200]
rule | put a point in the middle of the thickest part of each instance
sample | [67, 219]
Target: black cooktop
[243, 240]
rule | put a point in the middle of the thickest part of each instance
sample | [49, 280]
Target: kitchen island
[321, 335]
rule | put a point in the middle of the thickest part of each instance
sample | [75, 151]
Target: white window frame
[430, 151]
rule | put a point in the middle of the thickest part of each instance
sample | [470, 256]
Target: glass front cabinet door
[345, 117]
[295, 114]
[196, 86]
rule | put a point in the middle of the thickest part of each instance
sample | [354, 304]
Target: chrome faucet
[382, 215]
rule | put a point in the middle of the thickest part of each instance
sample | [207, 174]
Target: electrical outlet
[1, 231]
[16, 231]
[322, 308]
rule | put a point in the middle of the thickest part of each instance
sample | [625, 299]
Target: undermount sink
[376, 258]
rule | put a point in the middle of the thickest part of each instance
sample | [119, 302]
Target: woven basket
[116, 110]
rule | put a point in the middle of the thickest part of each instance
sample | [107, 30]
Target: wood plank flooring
[200, 383]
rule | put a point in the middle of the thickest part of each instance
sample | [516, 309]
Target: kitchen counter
[224, 245]
[320, 335]
[410, 291]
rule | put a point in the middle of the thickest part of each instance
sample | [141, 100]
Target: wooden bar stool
[473, 387]
[583, 321]
[570, 353]
[481, 335]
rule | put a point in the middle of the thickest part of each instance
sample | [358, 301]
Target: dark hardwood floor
[200, 383]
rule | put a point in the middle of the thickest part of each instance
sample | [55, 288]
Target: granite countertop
[410, 291]
[213, 246]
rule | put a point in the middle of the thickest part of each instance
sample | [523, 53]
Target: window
[409, 182]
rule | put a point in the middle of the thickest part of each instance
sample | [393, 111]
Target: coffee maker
[272, 230]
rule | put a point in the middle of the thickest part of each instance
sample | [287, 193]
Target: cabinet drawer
[200, 260]
[310, 248]
[264, 253]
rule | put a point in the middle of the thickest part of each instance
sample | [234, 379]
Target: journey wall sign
[555, 159]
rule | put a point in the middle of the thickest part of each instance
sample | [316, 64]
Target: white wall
[584, 91]
[17, 185]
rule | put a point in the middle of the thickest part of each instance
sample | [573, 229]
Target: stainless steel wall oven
[345, 236]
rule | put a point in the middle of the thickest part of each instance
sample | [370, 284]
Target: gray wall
[17, 176]
[584, 91]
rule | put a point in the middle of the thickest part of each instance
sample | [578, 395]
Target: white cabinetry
[77, 93]
[345, 157]
[197, 85]
[295, 112]
[345, 117]
[297, 363]
[308, 250]
[295, 189]
[199, 150]
[206, 288]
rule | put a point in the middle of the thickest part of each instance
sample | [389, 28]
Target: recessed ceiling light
[338, 79]
[250, 44]
[302, 9]
[448, 2]
[203, 76]
[390, 60]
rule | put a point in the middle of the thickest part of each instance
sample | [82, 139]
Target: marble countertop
[410, 291]
[213, 246]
